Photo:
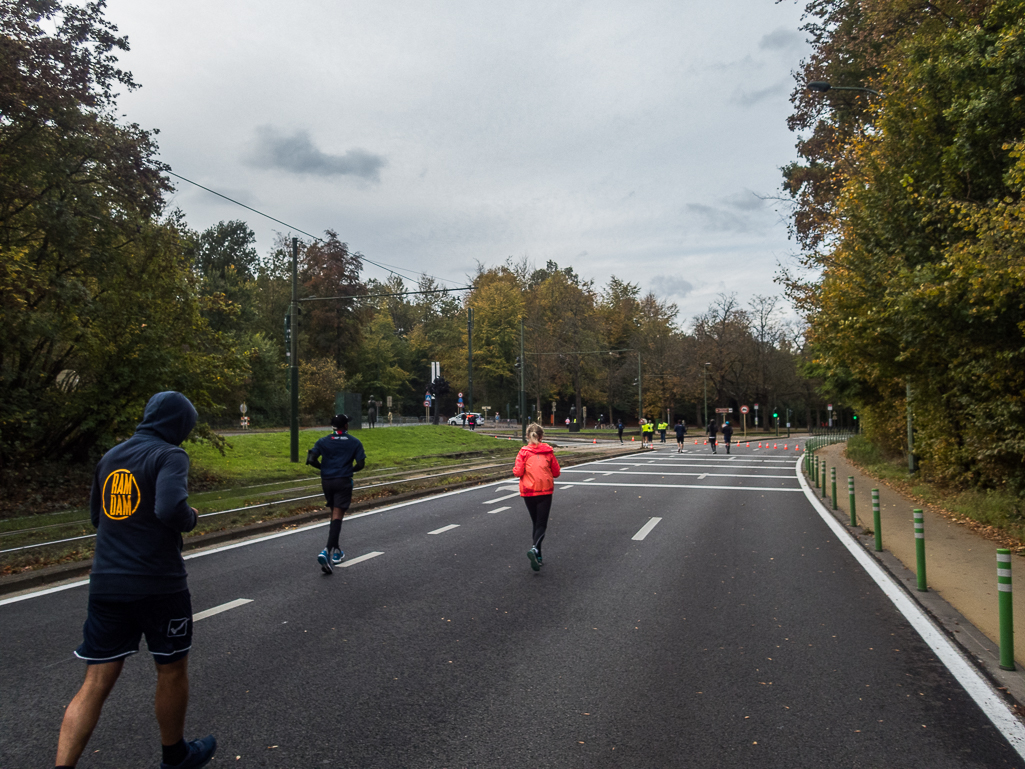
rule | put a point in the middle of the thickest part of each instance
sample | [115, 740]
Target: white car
[460, 419]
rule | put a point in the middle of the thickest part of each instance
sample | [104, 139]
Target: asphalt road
[693, 611]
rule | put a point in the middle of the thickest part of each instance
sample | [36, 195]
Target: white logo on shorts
[177, 628]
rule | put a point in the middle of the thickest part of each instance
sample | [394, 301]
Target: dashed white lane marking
[646, 529]
[498, 510]
[223, 607]
[443, 529]
[499, 499]
[587, 480]
[700, 477]
[359, 559]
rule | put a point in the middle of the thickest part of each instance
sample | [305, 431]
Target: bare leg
[83, 713]
[172, 699]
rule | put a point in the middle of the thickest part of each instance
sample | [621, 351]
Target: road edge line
[982, 692]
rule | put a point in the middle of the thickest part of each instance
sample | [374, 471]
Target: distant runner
[727, 435]
[537, 468]
[681, 433]
[712, 429]
[619, 429]
[343, 455]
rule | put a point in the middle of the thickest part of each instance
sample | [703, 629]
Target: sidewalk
[961, 566]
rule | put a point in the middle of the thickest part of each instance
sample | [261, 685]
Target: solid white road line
[499, 499]
[443, 529]
[498, 510]
[223, 607]
[701, 487]
[646, 529]
[664, 473]
[359, 559]
[978, 688]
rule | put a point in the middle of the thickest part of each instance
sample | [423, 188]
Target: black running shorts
[113, 628]
[337, 492]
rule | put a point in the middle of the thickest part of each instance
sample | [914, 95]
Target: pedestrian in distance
[662, 427]
[472, 419]
[619, 429]
[537, 468]
[342, 456]
[648, 433]
[712, 429]
[138, 585]
[727, 435]
[681, 432]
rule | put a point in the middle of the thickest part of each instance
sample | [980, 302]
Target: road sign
[427, 404]
[744, 409]
[829, 407]
[389, 401]
[756, 407]
[723, 411]
[460, 396]
[243, 408]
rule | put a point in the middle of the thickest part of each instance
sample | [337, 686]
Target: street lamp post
[821, 86]
[704, 373]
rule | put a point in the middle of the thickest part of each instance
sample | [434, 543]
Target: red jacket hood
[538, 448]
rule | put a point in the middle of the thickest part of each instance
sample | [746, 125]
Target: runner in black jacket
[342, 456]
[712, 429]
[727, 435]
[138, 583]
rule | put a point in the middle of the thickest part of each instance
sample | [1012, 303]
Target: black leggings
[539, 508]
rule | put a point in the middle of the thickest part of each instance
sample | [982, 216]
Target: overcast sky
[635, 138]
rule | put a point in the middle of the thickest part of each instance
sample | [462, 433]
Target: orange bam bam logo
[120, 495]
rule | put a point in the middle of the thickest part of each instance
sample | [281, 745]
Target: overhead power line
[293, 227]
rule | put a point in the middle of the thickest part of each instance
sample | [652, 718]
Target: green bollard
[920, 549]
[850, 499]
[1006, 609]
[877, 523]
[832, 476]
[824, 494]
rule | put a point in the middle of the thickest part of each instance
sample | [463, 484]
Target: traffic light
[775, 415]
[855, 417]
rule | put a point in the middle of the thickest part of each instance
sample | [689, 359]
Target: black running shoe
[200, 753]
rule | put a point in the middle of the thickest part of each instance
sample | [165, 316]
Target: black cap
[339, 420]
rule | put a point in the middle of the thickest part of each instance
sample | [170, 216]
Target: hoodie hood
[170, 416]
[538, 448]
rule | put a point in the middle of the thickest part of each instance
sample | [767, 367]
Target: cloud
[750, 98]
[671, 285]
[783, 39]
[298, 154]
[737, 213]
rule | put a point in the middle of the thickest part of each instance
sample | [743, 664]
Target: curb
[16, 583]
[973, 644]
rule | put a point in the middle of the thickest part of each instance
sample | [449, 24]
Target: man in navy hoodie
[138, 583]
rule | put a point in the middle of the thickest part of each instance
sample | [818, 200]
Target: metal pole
[704, 372]
[523, 391]
[1006, 609]
[911, 432]
[877, 523]
[850, 499]
[293, 372]
[469, 359]
[920, 549]
[832, 475]
[640, 391]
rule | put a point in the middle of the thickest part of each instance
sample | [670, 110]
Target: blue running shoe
[200, 753]
[325, 561]
[337, 556]
[535, 562]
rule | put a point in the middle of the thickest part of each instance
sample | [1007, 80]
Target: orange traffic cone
[759, 444]
[784, 447]
[595, 440]
[706, 443]
[749, 444]
[695, 443]
[775, 445]
[631, 438]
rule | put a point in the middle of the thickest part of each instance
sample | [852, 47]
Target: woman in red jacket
[537, 468]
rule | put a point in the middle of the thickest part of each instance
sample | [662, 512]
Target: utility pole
[293, 371]
[911, 432]
[523, 391]
[469, 359]
[640, 392]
